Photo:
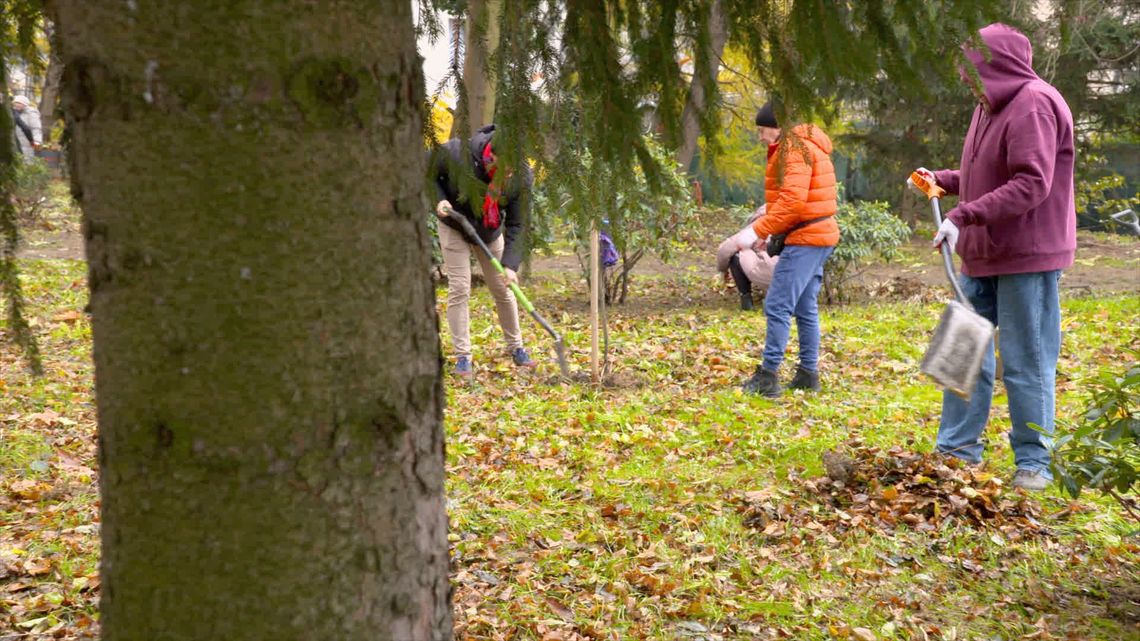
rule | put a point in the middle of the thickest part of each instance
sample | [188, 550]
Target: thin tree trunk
[265, 342]
[704, 73]
[49, 99]
[482, 40]
[10, 287]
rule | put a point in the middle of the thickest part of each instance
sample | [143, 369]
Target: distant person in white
[28, 130]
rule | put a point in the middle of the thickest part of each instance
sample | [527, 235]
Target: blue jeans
[1027, 309]
[795, 291]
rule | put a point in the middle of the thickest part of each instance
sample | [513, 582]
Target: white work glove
[441, 208]
[746, 238]
[948, 232]
[510, 277]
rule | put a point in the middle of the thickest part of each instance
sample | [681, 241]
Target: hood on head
[1009, 65]
[480, 140]
[815, 135]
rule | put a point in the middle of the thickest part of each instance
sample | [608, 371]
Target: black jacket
[458, 175]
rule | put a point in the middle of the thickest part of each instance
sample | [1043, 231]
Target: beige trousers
[457, 268]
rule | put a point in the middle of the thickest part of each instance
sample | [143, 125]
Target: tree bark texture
[10, 287]
[49, 99]
[482, 40]
[266, 346]
[704, 71]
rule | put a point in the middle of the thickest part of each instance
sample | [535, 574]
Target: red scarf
[491, 218]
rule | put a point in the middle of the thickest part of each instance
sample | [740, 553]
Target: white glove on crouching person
[746, 238]
[948, 233]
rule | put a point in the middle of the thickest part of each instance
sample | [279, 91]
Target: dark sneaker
[746, 303]
[763, 383]
[805, 380]
[1030, 480]
[521, 358]
[463, 366]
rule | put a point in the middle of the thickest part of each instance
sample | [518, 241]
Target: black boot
[805, 380]
[763, 383]
[743, 285]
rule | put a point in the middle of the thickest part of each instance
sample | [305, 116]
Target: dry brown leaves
[49, 580]
[874, 489]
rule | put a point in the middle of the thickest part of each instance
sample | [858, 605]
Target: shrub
[30, 190]
[867, 229]
[1102, 452]
[641, 213]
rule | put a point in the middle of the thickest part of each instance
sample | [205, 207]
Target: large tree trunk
[704, 72]
[267, 365]
[482, 40]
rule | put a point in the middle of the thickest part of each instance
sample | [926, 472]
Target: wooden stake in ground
[595, 288]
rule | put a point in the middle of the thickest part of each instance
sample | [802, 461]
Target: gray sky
[435, 57]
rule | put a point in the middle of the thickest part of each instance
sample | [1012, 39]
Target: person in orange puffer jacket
[800, 191]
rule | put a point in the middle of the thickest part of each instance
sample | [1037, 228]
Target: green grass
[593, 491]
[615, 513]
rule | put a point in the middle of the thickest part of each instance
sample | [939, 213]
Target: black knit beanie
[766, 117]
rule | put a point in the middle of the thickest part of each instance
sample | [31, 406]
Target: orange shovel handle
[925, 186]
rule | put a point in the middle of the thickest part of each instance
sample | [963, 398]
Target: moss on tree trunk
[265, 342]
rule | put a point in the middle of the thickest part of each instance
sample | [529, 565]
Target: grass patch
[582, 513]
[613, 512]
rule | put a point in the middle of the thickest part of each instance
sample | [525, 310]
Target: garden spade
[954, 357]
[559, 345]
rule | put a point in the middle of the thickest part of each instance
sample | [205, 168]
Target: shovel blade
[954, 357]
[560, 351]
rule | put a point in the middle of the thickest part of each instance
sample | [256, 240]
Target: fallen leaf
[68, 316]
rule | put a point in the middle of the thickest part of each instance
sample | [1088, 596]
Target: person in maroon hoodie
[1015, 229]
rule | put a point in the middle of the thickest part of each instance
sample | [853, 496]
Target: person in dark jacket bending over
[496, 201]
[1015, 228]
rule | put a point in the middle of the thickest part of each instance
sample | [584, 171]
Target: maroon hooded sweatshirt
[1016, 211]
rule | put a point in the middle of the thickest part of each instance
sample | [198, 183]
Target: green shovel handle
[469, 229]
[519, 295]
[559, 346]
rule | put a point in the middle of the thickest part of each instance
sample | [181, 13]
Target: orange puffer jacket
[807, 190]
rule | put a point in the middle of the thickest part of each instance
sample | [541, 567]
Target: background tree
[18, 21]
[265, 342]
[619, 55]
[581, 71]
[706, 71]
[482, 39]
[1086, 49]
[1093, 58]
[730, 170]
[49, 95]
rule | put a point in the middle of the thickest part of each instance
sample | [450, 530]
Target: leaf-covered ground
[665, 505]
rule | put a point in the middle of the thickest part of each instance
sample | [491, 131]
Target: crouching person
[750, 268]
